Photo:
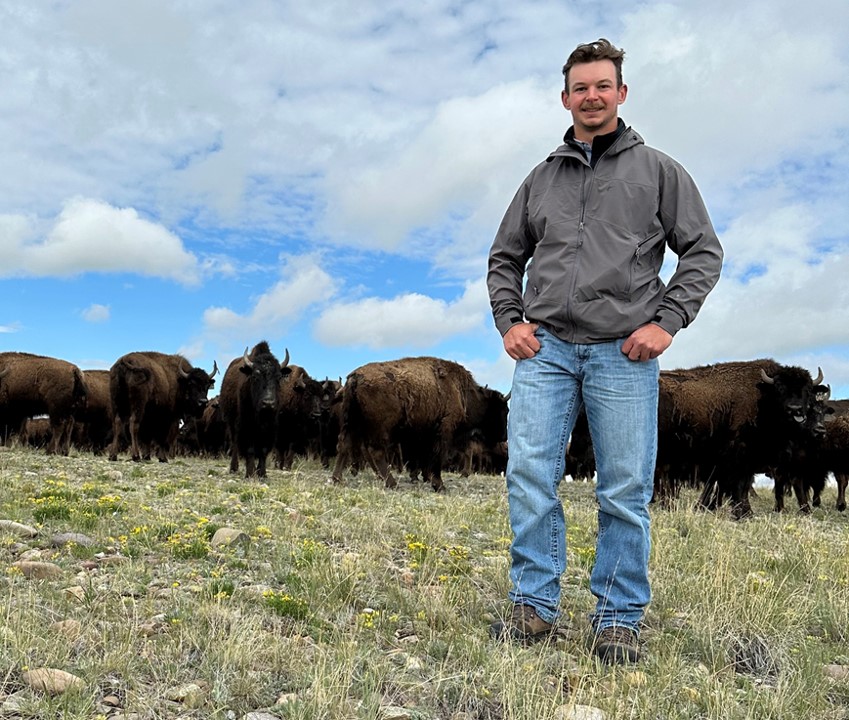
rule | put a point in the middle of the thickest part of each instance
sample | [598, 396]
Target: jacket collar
[620, 139]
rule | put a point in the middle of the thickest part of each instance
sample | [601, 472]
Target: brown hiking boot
[524, 626]
[617, 645]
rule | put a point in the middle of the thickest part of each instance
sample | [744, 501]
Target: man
[590, 225]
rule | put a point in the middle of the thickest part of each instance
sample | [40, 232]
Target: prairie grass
[356, 602]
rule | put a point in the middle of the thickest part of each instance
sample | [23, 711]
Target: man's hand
[519, 341]
[645, 343]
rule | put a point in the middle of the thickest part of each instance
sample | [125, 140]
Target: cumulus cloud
[92, 236]
[407, 320]
[96, 313]
[303, 283]
[14, 327]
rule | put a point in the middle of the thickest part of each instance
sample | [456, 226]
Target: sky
[196, 176]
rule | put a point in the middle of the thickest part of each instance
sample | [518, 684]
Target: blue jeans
[620, 397]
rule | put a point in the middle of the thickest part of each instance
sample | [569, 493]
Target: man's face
[593, 98]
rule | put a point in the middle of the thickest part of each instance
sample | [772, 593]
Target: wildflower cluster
[192, 542]
[307, 552]
[285, 604]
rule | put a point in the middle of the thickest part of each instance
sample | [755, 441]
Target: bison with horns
[422, 404]
[728, 421]
[250, 402]
[151, 393]
[36, 385]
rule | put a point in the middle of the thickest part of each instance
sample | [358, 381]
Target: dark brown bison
[729, 421]
[422, 404]
[250, 402]
[300, 415]
[836, 448]
[93, 427]
[151, 392]
[36, 432]
[36, 385]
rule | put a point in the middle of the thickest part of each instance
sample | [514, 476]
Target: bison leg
[801, 495]
[842, 480]
[234, 458]
[380, 465]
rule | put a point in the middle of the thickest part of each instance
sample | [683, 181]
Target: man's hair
[601, 49]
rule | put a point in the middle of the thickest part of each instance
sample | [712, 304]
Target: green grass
[352, 599]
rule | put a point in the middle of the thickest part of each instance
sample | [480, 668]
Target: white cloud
[13, 328]
[92, 236]
[410, 319]
[303, 284]
[96, 313]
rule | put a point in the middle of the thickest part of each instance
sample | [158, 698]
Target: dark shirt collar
[600, 144]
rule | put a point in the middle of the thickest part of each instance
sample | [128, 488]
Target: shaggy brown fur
[151, 392]
[36, 385]
[420, 403]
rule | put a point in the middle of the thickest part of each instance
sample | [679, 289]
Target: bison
[151, 392]
[93, 429]
[730, 421]
[423, 404]
[250, 402]
[300, 415]
[37, 385]
[836, 448]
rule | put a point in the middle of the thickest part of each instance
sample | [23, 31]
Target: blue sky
[194, 177]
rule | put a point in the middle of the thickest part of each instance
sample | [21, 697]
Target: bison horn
[285, 359]
[246, 359]
[507, 396]
[5, 371]
[183, 372]
[819, 376]
[766, 378]
[214, 370]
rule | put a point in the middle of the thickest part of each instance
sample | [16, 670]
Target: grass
[355, 602]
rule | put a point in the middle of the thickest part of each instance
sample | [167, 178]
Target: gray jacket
[595, 238]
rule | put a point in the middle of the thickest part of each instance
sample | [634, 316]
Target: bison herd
[718, 425]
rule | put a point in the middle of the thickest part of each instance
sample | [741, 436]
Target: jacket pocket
[643, 267]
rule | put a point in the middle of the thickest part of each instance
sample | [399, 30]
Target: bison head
[791, 392]
[264, 377]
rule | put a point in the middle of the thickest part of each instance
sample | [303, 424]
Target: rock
[192, 695]
[75, 592]
[71, 629]
[836, 672]
[257, 715]
[113, 560]
[287, 698]
[52, 681]
[14, 528]
[35, 570]
[393, 712]
[578, 712]
[62, 539]
[112, 701]
[230, 536]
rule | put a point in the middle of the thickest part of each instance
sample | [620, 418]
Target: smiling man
[589, 227]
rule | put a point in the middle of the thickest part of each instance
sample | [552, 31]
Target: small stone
[18, 529]
[38, 570]
[71, 629]
[112, 701]
[52, 681]
[394, 712]
[192, 695]
[258, 715]
[230, 536]
[62, 539]
[75, 592]
[113, 560]
[578, 712]
[836, 672]
[287, 699]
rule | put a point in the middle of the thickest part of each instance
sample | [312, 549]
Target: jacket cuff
[504, 322]
[669, 320]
